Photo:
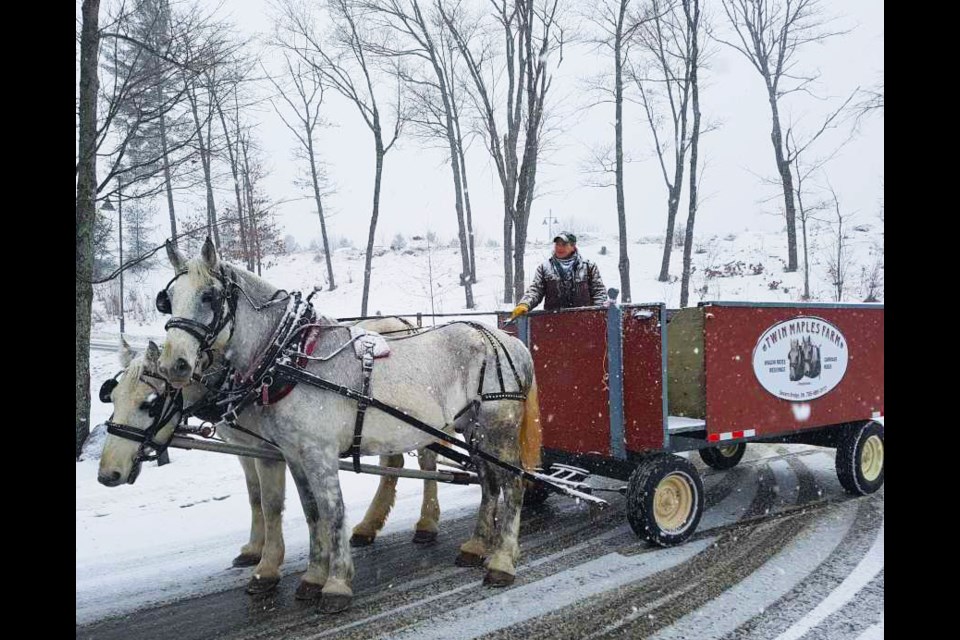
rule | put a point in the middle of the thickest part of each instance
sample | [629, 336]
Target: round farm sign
[800, 359]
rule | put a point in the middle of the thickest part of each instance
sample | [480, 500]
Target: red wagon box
[621, 389]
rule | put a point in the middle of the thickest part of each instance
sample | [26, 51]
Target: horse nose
[110, 479]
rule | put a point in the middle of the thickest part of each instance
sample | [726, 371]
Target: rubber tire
[640, 496]
[849, 450]
[534, 493]
[713, 458]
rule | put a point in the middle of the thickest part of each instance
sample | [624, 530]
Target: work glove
[521, 309]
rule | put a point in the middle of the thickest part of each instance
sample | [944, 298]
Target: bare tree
[86, 208]
[616, 23]
[430, 79]
[455, 101]
[531, 36]
[805, 171]
[344, 62]
[303, 100]
[142, 135]
[839, 258]
[871, 102]
[232, 145]
[694, 20]
[770, 35]
[664, 79]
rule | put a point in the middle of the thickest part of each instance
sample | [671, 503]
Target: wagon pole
[217, 446]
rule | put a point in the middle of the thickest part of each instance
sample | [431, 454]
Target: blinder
[163, 302]
[107, 388]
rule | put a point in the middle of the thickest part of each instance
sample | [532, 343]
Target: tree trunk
[466, 200]
[168, 181]
[624, 263]
[786, 180]
[806, 258]
[508, 253]
[520, 233]
[465, 279]
[236, 188]
[255, 261]
[207, 178]
[86, 210]
[368, 266]
[673, 204]
[466, 189]
[323, 223]
[693, 30]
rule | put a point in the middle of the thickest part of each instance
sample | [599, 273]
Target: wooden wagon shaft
[454, 477]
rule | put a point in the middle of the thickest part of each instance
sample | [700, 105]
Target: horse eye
[208, 297]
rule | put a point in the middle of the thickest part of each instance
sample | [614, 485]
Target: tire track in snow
[399, 584]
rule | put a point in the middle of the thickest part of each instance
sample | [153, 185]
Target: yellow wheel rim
[871, 458]
[728, 452]
[673, 503]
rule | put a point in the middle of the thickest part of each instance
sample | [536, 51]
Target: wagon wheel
[860, 458]
[664, 499]
[725, 457]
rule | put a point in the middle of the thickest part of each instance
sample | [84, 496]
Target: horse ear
[176, 258]
[153, 353]
[126, 353]
[209, 254]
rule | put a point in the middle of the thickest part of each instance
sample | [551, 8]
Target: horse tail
[531, 437]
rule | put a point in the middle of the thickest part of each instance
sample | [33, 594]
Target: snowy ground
[175, 531]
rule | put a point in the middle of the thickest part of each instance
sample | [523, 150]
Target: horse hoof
[467, 559]
[496, 578]
[258, 585]
[308, 591]
[424, 537]
[334, 602]
[246, 560]
[360, 540]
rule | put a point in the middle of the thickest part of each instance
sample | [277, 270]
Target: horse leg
[273, 478]
[501, 567]
[366, 532]
[331, 531]
[312, 580]
[474, 550]
[429, 523]
[250, 552]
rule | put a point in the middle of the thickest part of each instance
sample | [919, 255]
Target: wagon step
[569, 480]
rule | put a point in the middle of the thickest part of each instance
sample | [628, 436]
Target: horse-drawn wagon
[624, 389]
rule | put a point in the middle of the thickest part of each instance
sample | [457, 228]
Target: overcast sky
[418, 194]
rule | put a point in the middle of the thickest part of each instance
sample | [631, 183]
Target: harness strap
[299, 375]
[362, 403]
[172, 407]
[483, 371]
[447, 452]
[505, 395]
[123, 431]
[494, 343]
[233, 424]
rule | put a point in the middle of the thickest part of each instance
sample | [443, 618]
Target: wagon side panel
[569, 353]
[643, 378]
[756, 380]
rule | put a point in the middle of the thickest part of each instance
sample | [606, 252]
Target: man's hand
[519, 311]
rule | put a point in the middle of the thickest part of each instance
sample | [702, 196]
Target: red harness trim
[278, 392]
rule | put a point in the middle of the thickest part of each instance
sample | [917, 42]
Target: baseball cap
[566, 237]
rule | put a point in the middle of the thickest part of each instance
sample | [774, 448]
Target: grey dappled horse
[434, 377]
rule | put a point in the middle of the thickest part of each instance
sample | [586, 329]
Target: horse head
[142, 413]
